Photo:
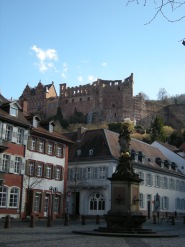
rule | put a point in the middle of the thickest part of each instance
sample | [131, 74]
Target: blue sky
[78, 41]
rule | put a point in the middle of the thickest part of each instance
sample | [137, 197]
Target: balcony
[88, 184]
[3, 145]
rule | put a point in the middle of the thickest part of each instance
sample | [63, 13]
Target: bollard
[154, 219]
[32, 221]
[66, 220]
[97, 220]
[7, 222]
[173, 220]
[83, 220]
[49, 221]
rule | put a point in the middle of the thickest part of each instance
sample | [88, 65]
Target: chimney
[24, 104]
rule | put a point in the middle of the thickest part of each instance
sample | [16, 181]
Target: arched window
[3, 196]
[14, 197]
[97, 202]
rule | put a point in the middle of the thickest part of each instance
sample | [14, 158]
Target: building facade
[33, 164]
[14, 129]
[45, 177]
[101, 101]
[94, 157]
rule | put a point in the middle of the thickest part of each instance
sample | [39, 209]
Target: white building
[93, 158]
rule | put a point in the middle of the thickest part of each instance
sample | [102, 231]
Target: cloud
[80, 79]
[45, 58]
[64, 70]
[91, 78]
[104, 64]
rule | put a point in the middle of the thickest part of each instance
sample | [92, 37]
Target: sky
[77, 41]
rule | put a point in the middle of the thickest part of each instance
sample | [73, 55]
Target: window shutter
[29, 142]
[159, 181]
[1, 162]
[95, 172]
[22, 167]
[11, 164]
[53, 172]
[25, 139]
[37, 144]
[106, 171]
[62, 173]
[4, 131]
[36, 169]
[151, 184]
[14, 134]
[55, 149]
[27, 167]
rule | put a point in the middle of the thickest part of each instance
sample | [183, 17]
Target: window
[141, 200]
[177, 185]
[165, 202]
[56, 204]
[149, 179]
[177, 203]
[33, 144]
[102, 172]
[97, 202]
[31, 168]
[13, 111]
[37, 202]
[157, 181]
[3, 196]
[18, 162]
[50, 148]
[6, 162]
[48, 171]
[51, 127]
[8, 133]
[41, 146]
[165, 183]
[59, 151]
[141, 176]
[182, 204]
[89, 172]
[14, 196]
[171, 184]
[39, 170]
[58, 173]
[20, 135]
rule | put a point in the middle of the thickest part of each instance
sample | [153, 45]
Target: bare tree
[164, 7]
[161, 6]
[162, 94]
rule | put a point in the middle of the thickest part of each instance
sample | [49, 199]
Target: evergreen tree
[157, 131]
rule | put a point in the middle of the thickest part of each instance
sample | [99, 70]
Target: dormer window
[35, 121]
[90, 152]
[51, 127]
[13, 111]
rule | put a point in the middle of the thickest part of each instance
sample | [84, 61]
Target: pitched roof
[20, 119]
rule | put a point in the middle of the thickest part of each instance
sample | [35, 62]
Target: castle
[101, 101]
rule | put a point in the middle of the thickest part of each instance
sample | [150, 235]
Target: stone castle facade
[101, 101]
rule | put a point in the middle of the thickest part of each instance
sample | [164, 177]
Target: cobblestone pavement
[21, 235]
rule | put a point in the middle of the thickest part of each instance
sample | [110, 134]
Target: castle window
[114, 114]
[72, 100]
[80, 99]
[66, 101]
[113, 105]
[88, 99]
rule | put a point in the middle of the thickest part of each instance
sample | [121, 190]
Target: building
[101, 101]
[45, 177]
[33, 164]
[14, 129]
[172, 153]
[40, 98]
[94, 157]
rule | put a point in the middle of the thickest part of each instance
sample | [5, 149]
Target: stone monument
[124, 212]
